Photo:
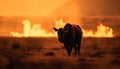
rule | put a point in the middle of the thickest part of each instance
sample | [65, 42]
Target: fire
[102, 30]
[32, 31]
[35, 30]
[59, 23]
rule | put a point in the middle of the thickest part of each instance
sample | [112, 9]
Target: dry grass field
[48, 53]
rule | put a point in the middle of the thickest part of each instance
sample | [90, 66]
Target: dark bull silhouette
[70, 36]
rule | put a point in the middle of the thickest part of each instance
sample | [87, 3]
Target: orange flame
[102, 30]
[59, 23]
[32, 31]
[37, 31]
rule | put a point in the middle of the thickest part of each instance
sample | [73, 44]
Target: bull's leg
[70, 50]
[79, 48]
[67, 47]
[75, 49]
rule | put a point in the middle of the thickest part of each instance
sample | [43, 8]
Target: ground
[48, 53]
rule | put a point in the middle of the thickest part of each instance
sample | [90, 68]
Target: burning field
[28, 41]
[48, 53]
[34, 47]
[35, 30]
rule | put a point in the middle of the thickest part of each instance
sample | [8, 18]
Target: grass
[48, 53]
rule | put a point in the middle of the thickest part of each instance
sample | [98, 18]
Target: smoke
[98, 7]
[69, 12]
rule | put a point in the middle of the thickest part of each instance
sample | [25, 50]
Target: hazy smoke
[98, 7]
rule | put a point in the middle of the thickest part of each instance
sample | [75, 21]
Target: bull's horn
[55, 29]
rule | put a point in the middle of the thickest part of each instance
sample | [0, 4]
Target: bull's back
[77, 33]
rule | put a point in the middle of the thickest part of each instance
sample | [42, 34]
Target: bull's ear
[55, 29]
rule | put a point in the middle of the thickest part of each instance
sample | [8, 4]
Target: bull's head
[60, 33]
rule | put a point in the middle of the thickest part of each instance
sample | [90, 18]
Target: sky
[70, 9]
[46, 7]
[99, 7]
[29, 7]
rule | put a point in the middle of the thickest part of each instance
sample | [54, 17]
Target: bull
[71, 36]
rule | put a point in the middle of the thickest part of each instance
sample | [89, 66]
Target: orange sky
[45, 7]
[29, 7]
[69, 10]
